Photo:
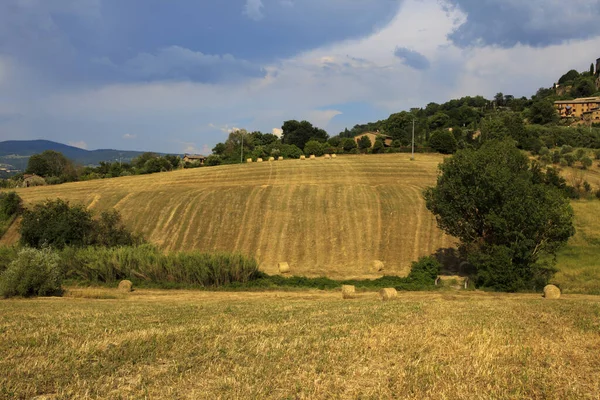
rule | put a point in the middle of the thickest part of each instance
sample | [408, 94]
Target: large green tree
[299, 133]
[505, 218]
[51, 163]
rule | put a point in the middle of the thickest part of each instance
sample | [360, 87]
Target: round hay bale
[377, 266]
[249, 160]
[126, 286]
[388, 294]
[551, 292]
[327, 156]
[333, 156]
[348, 292]
[271, 158]
[280, 158]
[303, 157]
[259, 160]
[284, 268]
[313, 157]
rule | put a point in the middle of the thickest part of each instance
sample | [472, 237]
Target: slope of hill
[324, 217]
[17, 152]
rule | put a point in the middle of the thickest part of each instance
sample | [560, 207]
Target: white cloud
[253, 9]
[314, 85]
[277, 132]
[129, 136]
[81, 144]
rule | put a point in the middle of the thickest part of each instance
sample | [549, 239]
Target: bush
[56, 224]
[33, 273]
[212, 160]
[424, 271]
[566, 149]
[10, 204]
[313, 147]
[586, 162]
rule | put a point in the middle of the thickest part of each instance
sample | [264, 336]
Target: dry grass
[308, 345]
[333, 219]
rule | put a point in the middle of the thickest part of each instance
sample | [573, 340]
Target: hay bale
[259, 160]
[303, 157]
[377, 266]
[280, 158]
[388, 294]
[249, 160]
[126, 286]
[271, 158]
[551, 292]
[312, 157]
[333, 156]
[348, 292]
[327, 156]
[284, 268]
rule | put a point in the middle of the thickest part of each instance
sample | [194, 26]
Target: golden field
[324, 217]
[299, 345]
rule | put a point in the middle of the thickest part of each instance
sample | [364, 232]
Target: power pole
[413, 141]
[242, 152]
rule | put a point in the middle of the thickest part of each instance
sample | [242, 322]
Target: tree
[364, 143]
[505, 220]
[313, 147]
[51, 163]
[542, 112]
[592, 69]
[568, 77]
[443, 141]
[299, 133]
[378, 147]
[348, 145]
[57, 224]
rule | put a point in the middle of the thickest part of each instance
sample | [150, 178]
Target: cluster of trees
[55, 168]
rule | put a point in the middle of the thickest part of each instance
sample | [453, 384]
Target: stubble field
[303, 345]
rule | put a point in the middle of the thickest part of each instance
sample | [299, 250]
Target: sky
[178, 75]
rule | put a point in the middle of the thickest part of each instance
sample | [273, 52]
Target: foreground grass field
[178, 344]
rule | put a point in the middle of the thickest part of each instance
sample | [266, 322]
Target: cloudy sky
[177, 75]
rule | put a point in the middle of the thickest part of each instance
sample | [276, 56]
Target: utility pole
[413, 141]
[242, 152]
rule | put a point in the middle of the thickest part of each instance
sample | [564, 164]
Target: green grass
[311, 344]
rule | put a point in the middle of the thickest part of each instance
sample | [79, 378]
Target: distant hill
[16, 153]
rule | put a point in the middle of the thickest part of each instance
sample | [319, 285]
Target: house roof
[374, 133]
[581, 100]
[194, 156]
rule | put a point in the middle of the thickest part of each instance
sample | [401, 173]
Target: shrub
[597, 154]
[56, 224]
[586, 162]
[598, 194]
[544, 151]
[566, 149]
[10, 204]
[313, 147]
[424, 271]
[35, 272]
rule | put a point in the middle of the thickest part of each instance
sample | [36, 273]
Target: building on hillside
[577, 108]
[387, 140]
[194, 158]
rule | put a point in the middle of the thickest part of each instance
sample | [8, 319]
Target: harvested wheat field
[301, 345]
[326, 217]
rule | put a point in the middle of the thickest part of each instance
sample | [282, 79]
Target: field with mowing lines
[303, 345]
[324, 217]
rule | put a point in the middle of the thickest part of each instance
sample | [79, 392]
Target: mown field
[302, 345]
[324, 217]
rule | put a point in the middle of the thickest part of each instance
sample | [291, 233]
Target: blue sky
[177, 75]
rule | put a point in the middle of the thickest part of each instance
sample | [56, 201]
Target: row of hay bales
[249, 160]
[387, 294]
[313, 157]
